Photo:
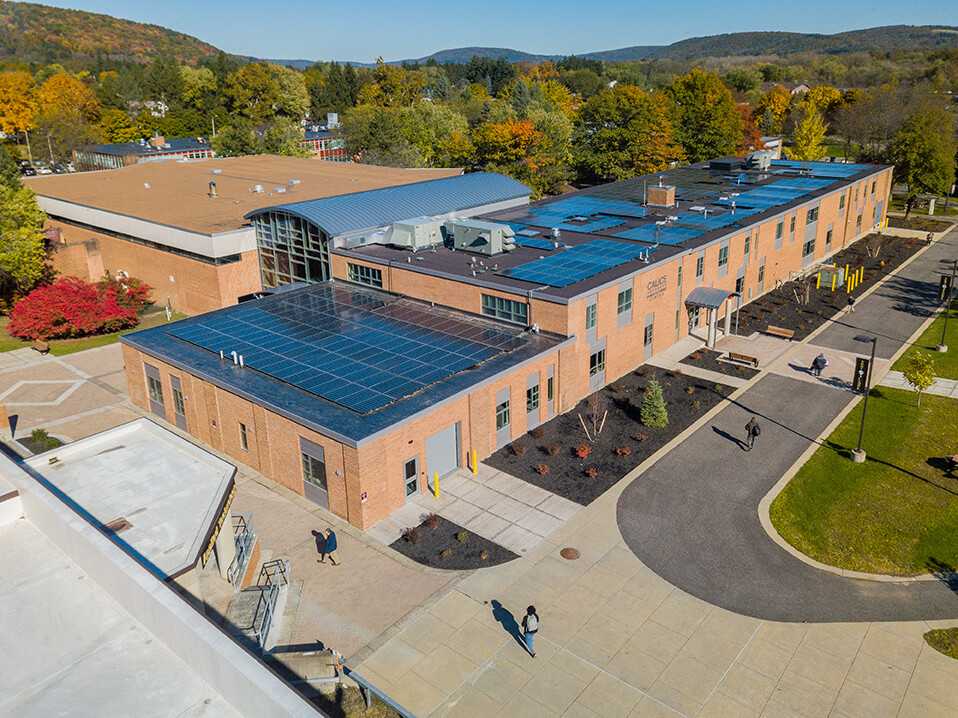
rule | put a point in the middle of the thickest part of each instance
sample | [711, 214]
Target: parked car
[44, 171]
[23, 163]
[28, 171]
[59, 169]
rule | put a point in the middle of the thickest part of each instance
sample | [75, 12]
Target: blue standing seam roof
[381, 207]
[576, 263]
[137, 149]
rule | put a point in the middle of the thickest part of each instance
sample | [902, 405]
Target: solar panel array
[576, 263]
[821, 169]
[660, 234]
[352, 347]
[536, 243]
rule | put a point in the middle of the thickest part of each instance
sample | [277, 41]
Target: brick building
[350, 384]
[180, 226]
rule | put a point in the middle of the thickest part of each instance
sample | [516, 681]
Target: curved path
[693, 516]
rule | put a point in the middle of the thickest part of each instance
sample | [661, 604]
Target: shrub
[411, 535]
[484, 555]
[552, 449]
[690, 389]
[624, 451]
[52, 443]
[696, 404]
[653, 411]
[461, 536]
[39, 435]
[537, 433]
[592, 472]
[583, 450]
[446, 553]
[431, 521]
[518, 448]
[719, 388]
[542, 469]
[129, 292]
[71, 307]
[641, 437]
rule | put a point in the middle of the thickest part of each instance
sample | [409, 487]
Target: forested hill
[39, 33]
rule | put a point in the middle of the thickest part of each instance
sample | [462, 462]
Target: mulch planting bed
[780, 308]
[38, 447]
[432, 544]
[708, 359]
[922, 224]
[623, 443]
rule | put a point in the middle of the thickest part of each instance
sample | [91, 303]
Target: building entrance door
[411, 477]
[442, 452]
[314, 472]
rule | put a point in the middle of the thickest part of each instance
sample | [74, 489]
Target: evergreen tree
[653, 411]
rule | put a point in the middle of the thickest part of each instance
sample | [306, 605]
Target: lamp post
[942, 347]
[858, 455]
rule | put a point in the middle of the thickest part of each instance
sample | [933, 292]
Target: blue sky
[361, 30]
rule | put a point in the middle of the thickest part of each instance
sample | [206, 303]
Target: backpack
[757, 430]
[532, 623]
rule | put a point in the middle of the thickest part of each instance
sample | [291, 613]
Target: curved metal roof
[380, 207]
[709, 297]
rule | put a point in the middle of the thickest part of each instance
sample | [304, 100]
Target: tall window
[290, 249]
[361, 274]
[591, 315]
[700, 267]
[314, 471]
[625, 301]
[779, 229]
[549, 389]
[828, 239]
[508, 309]
[723, 256]
[748, 242]
[597, 362]
[740, 285]
[809, 247]
[179, 407]
[761, 273]
[679, 283]
[841, 202]
[791, 225]
[155, 388]
[811, 215]
[648, 335]
[502, 415]
[874, 184]
[532, 398]
[244, 441]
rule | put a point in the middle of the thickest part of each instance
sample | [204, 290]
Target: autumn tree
[751, 134]
[707, 123]
[772, 110]
[376, 135]
[283, 137]
[624, 132]
[392, 87]
[430, 126]
[824, 99]
[21, 241]
[65, 95]
[923, 151]
[920, 372]
[809, 137]
[117, 126]
[18, 102]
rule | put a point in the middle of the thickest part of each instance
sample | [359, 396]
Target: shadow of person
[801, 369]
[505, 618]
[320, 539]
[725, 435]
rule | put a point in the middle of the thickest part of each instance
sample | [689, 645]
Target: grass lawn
[898, 205]
[944, 640]
[59, 347]
[946, 364]
[895, 514]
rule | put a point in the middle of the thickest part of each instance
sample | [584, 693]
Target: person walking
[530, 624]
[752, 429]
[818, 364]
[850, 308]
[330, 548]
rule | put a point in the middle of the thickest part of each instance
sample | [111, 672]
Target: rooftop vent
[293, 182]
[257, 188]
[215, 172]
[279, 190]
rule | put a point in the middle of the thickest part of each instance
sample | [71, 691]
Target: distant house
[792, 88]
[325, 144]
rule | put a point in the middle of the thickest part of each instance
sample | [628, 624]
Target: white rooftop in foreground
[67, 649]
[169, 491]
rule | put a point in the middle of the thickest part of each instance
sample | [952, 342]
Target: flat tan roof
[177, 194]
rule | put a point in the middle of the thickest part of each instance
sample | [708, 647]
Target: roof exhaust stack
[241, 360]
[234, 357]
[212, 192]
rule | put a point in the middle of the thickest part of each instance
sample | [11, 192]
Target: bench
[41, 347]
[780, 332]
[745, 358]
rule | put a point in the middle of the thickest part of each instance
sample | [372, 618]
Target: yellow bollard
[475, 467]
[861, 275]
[435, 484]
[818, 280]
[834, 277]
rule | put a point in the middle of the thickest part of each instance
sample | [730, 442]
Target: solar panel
[576, 263]
[356, 348]
[536, 243]
[660, 234]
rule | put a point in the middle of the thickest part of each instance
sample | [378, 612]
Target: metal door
[442, 452]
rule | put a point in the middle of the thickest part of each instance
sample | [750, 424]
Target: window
[856, 196]
[874, 185]
[625, 301]
[178, 406]
[723, 256]
[791, 225]
[532, 398]
[809, 247]
[597, 362]
[362, 274]
[811, 215]
[858, 225]
[828, 239]
[841, 203]
[411, 476]
[314, 471]
[779, 229]
[700, 267]
[761, 274]
[502, 415]
[740, 285]
[508, 309]
[648, 335]
[680, 275]
[591, 312]
[549, 389]
[156, 389]
[748, 243]
[244, 441]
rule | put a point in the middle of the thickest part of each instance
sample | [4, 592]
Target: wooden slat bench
[41, 347]
[744, 358]
[780, 332]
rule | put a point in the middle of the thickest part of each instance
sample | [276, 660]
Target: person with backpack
[850, 307]
[752, 429]
[818, 365]
[530, 624]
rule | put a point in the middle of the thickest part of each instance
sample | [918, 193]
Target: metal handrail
[244, 536]
[274, 582]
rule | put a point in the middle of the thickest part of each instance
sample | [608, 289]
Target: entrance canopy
[709, 297]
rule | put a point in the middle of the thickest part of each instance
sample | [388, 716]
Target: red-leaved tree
[71, 307]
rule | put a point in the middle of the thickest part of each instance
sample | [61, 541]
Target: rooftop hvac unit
[488, 238]
[416, 234]
[257, 188]
[760, 160]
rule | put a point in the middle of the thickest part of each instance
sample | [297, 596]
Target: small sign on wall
[362, 497]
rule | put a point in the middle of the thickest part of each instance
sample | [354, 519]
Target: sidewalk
[941, 387]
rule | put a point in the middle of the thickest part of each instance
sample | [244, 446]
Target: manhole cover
[569, 553]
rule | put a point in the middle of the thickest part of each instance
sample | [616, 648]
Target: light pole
[942, 347]
[858, 456]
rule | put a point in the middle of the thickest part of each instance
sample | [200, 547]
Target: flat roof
[349, 361]
[610, 232]
[160, 494]
[178, 189]
[66, 646]
[145, 148]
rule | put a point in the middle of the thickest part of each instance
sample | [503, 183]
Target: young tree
[920, 372]
[707, 122]
[924, 154]
[809, 137]
[653, 412]
[284, 137]
[21, 241]
[18, 102]
[236, 139]
[624, 132]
